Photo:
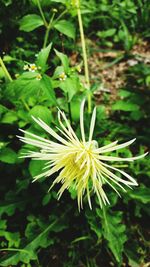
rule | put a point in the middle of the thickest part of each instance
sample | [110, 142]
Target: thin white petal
[92, 125]
[117, 147]
[109, 158]
[98, 150]
[133, 181]
[49, 130]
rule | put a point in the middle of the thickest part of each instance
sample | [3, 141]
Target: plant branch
[48, 30]
[5, 70]
[85, 60]
[42, 14]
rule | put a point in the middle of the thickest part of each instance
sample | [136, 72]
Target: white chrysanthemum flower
[80, 162]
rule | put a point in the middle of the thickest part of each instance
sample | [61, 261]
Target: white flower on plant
[25, 67]
[38, 77]
[80, 163]
[32, 67]
[62, 76]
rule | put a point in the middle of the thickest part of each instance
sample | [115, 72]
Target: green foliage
[35, 228]
[113, 231]
[66, 28]
[30, 22]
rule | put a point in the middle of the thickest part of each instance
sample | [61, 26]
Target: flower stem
[7, 75]
[86, 70]
[49, 26]
[48, 30]
[42, 14]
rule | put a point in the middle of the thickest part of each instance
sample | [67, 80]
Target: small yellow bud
[38, 77]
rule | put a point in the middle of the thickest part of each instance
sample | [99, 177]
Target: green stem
[61, 15]
[86, 70]
[48, 31]
[69, 109]
[42, 14]
[49, 26]
[5, 70]
[25, 104]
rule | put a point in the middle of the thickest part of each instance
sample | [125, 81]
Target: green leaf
[70, 86]
[36, 167]
[107, 33]
[141, 194]
[65, 27]
[3, 224]
[124, 93]
[43, 57]
[28, 252]
[7, 155]
[113, 231]
[59, 1]
[30, 22]
[64, 60]
[9, 208]
[12, 238]
[94, 224]
[41, 112]
[125, 106]
[9, 117]
[46, 86]
[46, 199]
[27, 85]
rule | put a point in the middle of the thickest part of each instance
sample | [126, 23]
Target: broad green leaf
[41, 112]
[64, 60]
[43, 57]
[124, 93]
[36, 167]
[65, 27]
[75, 109]
[8, 155]
[114, 231]
[71, 86]
[47, 88]
[125, 106]
[27, 85]
[30, 22]
[9, 117]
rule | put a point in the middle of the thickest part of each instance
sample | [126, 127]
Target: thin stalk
[61, 15]
[85, 60]
[49, 26]
[5, 70]
[48, 30]
[25, 104]
[42, 14]
[69, 109]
